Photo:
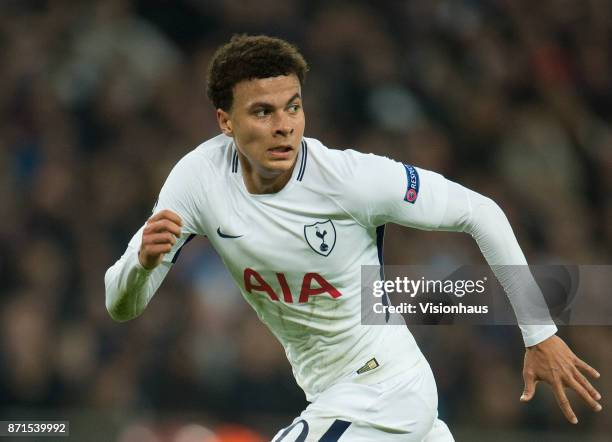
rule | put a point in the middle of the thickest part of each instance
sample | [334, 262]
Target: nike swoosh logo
[223, 235]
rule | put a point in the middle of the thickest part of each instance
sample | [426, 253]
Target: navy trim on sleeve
[178, 252]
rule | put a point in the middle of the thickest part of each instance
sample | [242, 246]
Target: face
[267, 123]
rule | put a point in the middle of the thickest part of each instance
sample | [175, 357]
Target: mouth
[280, 152]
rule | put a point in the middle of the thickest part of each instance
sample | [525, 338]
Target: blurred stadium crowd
[99, 99]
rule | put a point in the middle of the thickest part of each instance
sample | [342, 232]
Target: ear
[225, 123]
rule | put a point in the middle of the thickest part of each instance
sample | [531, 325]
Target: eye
[294, 108]
[261, 112]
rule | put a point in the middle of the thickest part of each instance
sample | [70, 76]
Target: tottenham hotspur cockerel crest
[321, 237]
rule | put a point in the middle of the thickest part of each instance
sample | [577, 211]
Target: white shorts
[401, 409]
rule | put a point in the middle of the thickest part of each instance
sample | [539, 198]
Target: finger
[586, 385]
[157, 249]
[167, 214]
[563, 402]
[160, 238]
[587, 368]
[530, 386]
[584, 394]
[163, 226]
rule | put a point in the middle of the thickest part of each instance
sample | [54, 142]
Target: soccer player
[294, 221]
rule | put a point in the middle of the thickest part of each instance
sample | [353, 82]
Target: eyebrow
[268, 105]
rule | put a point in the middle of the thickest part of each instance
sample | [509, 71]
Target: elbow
[496, 214]
[116, 312]
[486, 213]
[116, 303]
[126, 293]
[117, 315]
[120, 306]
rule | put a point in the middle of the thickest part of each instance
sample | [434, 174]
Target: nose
[283, 126]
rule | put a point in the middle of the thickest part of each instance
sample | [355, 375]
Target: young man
[294, 222]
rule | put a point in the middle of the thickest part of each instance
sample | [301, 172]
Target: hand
[553, 362]
[159, 235]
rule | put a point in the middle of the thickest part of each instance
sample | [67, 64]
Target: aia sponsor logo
[313, 284]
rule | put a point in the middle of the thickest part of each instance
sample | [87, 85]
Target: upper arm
[380, 190]
[183, 193]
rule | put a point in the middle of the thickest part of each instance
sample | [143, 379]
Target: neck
[262, 182]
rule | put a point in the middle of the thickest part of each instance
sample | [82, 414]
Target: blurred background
[99, 99]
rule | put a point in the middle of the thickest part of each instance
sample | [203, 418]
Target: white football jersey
[296, 255]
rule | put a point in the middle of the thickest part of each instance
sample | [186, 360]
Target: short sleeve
[381, 190]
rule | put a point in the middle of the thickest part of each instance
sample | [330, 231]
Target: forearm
[130, 287]
[482, 218]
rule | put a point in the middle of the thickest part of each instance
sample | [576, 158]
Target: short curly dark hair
[246, 57]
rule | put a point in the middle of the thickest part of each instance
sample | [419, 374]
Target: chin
[280, 166]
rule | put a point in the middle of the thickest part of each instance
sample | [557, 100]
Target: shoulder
[188, 184]
[330, 157]
[204, 162]
[211, 154]
[362, 185]
[338, 168]
[199, 168]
